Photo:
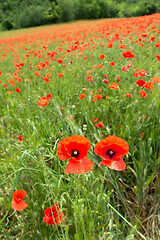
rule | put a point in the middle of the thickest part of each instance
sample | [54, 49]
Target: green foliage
[146, 8]
[53, 14]
[8, 24]
[68, 10]
[20, 13]
[31, 16]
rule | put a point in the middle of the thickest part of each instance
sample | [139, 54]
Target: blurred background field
[65, 61]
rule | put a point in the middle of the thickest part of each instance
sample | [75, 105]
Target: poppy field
[80, 131]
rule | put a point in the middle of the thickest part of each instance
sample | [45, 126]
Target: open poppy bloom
[53, 215]
[128, 54]
[140, 83]
[75, 148]
[102, 56]
[17, 200]
[111, 149]
[43, 101]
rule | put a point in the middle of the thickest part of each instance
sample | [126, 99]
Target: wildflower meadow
[80, 131]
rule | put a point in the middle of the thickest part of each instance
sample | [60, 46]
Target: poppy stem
[10, 216]
[127, 222]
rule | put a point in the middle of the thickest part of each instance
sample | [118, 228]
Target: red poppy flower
[142, 135]
[20, 138]
[128, 54]
[156, 79]
[43, 101]
[122, 46]
[149, 85]
[75, 148]
[142, 73]
[158, 57]
[157, 44]
[109, 45]
[118, 78]
[17, 90]
[89, 78]
[85, 58]
[129, 65]
[95, 119]
[124, 68]
[102, 56]
[98, 96]
[128, 95]
[60, 75]
[112, 63]
[53, 215]
[143, 94]
[82, 95]
[49, 96]
[140, 82]
[106, 81]
[111, 149]
[17, 202]
[100, 125]
[99, 66]
[114, 86]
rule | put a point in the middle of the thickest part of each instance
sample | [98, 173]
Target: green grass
[127, 205]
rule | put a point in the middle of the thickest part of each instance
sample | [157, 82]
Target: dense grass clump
[93, 79]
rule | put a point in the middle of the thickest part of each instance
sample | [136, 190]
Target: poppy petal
[59, 218]
[67, 145]
[48, 220]
[53, 215]
[21, 193]
[119, 164]
[62, 151]
[81, 166]
[120, 146]
[18, 206]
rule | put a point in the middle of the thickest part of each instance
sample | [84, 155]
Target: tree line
[15, 14]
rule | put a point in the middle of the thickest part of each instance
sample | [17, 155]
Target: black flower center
[110, 153]
[75, 153]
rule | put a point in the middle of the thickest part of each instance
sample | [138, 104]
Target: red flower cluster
[53, 215]
[76, 148]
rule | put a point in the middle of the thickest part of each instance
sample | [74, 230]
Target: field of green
[73, 95]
